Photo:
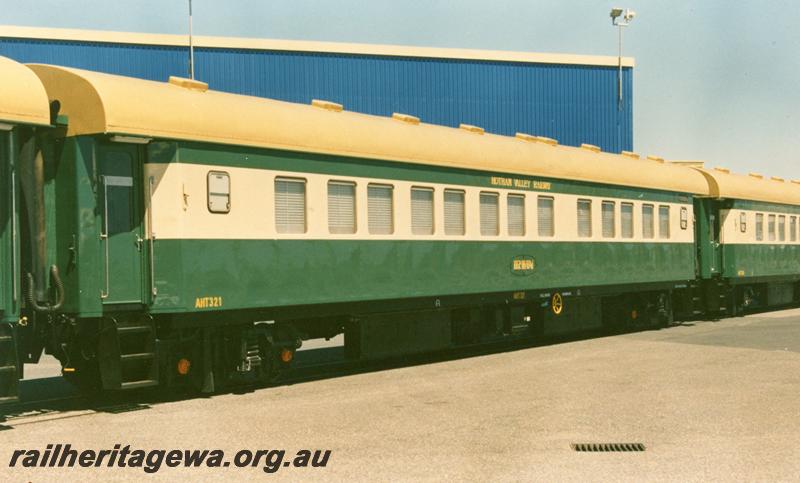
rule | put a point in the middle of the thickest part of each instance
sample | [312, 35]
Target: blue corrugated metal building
[566, 97]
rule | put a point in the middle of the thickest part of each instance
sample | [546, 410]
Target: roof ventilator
[591, 147]
[405, 118]
[778, 179]
[722, 170]
[756, 175]
[548, 141]
[536, 139]
[191, 84]
[630, 154]
[471, 128]
[327, 105]
[657, 159]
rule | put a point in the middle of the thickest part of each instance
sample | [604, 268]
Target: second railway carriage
[749, 241]
[185, 217]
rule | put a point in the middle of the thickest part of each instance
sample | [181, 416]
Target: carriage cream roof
[22, 97]
[103, 103]
[754, 187]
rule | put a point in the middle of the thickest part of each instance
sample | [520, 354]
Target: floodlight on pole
[620, 18]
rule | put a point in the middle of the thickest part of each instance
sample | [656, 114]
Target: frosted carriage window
[290, 205]
[341, 207]
[584, 218]
[490, 219]
[516, 215]
[782, 228]
[663, 221]
[759, 226]
[793, 228]
[422, 211]
[648, 222]
[219, 192]
[545, 215]
[684, 218]
[743, 222]
[609, 212]
[453, 212]
[380, 209]
[771, 227]
[627, 220]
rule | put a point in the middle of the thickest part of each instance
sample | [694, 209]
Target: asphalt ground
[710, 401]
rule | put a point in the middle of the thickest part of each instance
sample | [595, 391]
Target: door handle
[139, 242]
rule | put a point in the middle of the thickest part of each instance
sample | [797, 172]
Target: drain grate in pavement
[608, 447]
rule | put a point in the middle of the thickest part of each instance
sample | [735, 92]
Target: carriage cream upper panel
[22, 98]
[103, 103]
[736, 186]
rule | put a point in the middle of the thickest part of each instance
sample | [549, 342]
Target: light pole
[620, 18]
[191, 44]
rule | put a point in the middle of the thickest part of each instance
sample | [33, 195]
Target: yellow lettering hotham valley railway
[520, 183]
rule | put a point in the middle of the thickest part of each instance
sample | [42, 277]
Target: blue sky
[715, 80]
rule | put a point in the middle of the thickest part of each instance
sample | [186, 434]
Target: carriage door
[707, 229]
[121, 230]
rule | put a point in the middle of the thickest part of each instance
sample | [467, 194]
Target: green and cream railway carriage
[749, 239]
[184, 218]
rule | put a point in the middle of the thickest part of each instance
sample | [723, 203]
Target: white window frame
[304, 182]
[622, 220]
[496, 196]
[603, 206]
[516, 196]
[209, 193]
[463, 212]
[418, 230]
[341, 230]
[552, 215]
[584, 202]
[370, 227]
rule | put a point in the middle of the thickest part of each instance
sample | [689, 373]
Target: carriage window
[341, 207]
[771, 227]
[609, 219]
[219, 192]
[290, 205]
[782, 228]
[663, 221]
[684, 218]
[516, 215]
[422, 211]
[743, 222]
[585, 218]
[380, 209]
[544, 212]
[648, 222]
[453, 212]
[793, 228]
[489, 214]
[759, 226]
[627, 220]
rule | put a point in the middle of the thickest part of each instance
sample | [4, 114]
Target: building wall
[572, 103]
